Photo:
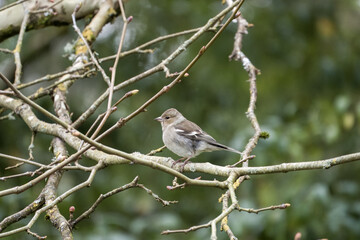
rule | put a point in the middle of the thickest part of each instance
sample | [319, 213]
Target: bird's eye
[167, 117]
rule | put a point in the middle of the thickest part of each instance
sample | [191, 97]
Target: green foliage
[264, 135]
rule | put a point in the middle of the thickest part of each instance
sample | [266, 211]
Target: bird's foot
[183, 163]
[177, 161]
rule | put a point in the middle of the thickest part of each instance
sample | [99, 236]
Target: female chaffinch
[185, 138]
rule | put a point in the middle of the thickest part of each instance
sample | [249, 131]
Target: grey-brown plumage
[185, 138]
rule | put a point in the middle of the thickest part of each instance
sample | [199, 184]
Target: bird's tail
[219, 145]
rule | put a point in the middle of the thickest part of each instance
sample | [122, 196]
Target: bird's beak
[159, 119]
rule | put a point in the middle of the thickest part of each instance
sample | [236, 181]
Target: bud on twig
[71, 212]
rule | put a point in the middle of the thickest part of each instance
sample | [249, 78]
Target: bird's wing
[192, 131]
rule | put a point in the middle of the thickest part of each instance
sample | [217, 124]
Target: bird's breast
[178, 144]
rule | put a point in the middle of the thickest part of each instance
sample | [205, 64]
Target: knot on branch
[120, 123]
[21, 108]
[166, 88]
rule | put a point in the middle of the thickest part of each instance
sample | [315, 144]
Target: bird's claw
[182, 165]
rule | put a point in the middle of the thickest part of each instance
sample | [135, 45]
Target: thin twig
[71, 77]
[252, 71]
[14, 166]
[112, 109]
[132, 184]
[155, 196]
[17, 50]
[121, 43]
[35, 235]
[176, 185]
[206, 225]
[155, 151]
[113, 73]
[9, 116]
[6, 92]
[31, 146]
[50, 77]
[12, 4]
[28, 173]
[42, 166]
[93, 58]
[2, 155]
[4, 50]
[140, 48]
[251, 210]
[102, 197]
[48, 8]
[224, 222]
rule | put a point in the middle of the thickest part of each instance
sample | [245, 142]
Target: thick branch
[51, 14]
[59, 151]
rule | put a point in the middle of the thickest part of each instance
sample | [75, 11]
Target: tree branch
[31, 208]
[56, 14]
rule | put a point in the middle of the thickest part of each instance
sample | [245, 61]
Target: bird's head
[169, 116]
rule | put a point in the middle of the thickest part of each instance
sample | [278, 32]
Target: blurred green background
[308, 100]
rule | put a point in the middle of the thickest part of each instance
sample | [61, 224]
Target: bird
[185, 138]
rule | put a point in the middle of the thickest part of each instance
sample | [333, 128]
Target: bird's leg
[177, 161]
[184, 163]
